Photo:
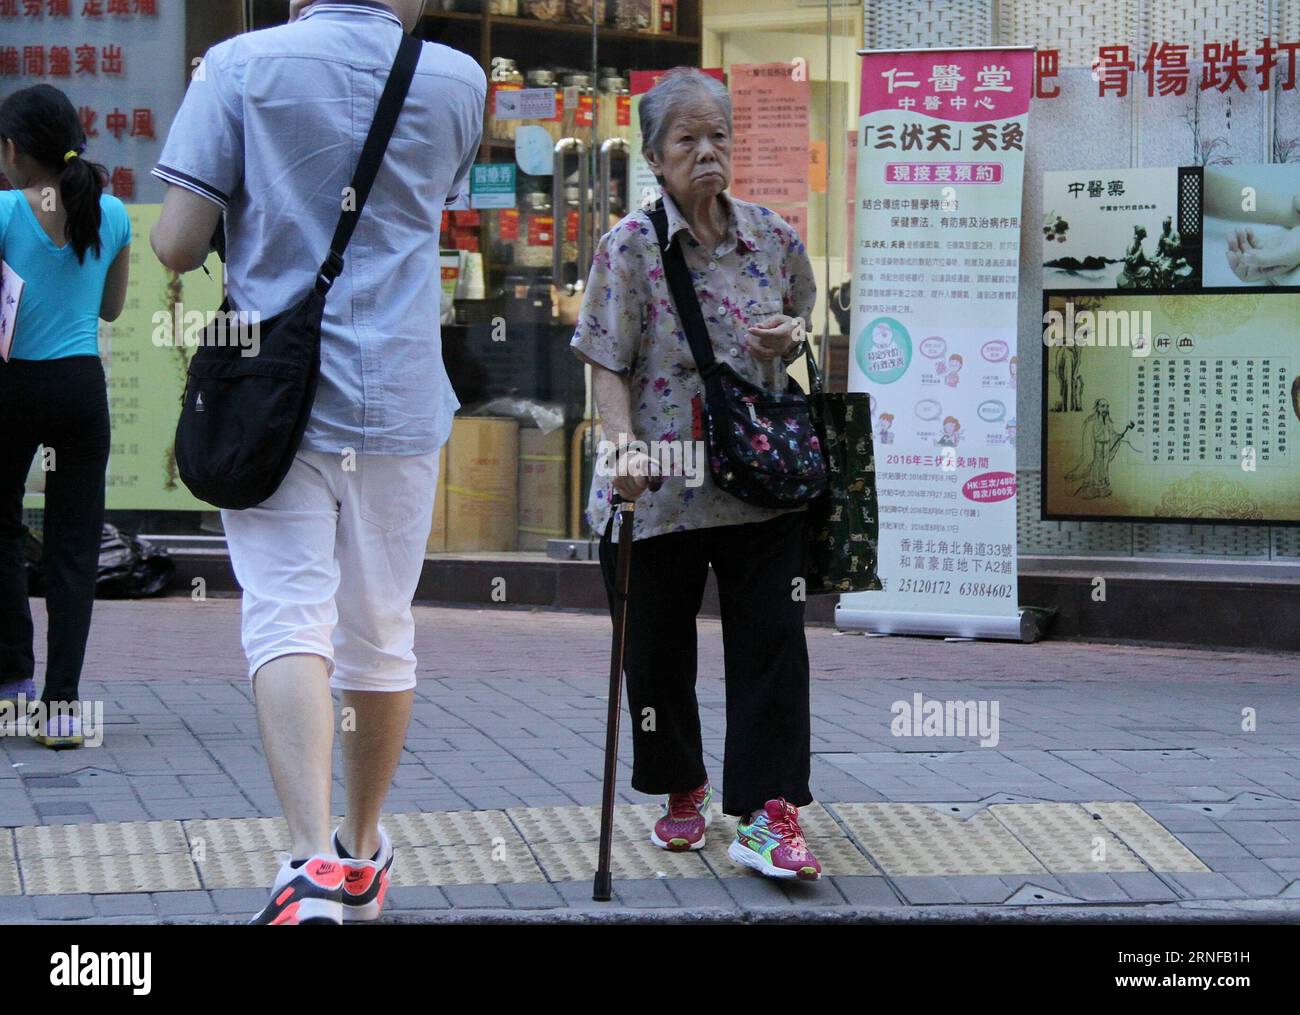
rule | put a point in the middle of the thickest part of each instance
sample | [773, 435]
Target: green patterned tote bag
[843, 524]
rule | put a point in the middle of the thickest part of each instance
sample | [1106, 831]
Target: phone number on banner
[938, 587]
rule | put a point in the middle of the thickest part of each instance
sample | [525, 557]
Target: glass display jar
[545, 78]
[579, 107]
[505, 225]
[536, 232]
[505, 76]
[614, 118]
[572, 223]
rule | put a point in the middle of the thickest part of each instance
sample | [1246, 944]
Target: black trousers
[767, 751]
[63, 405]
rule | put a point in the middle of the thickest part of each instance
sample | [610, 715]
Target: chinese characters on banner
[121, 64]
[940, 160]
[770, 143]
[1164, 68]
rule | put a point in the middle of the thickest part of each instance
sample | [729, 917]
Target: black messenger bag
[243, 417]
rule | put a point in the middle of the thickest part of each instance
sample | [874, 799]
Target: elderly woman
[754, 282]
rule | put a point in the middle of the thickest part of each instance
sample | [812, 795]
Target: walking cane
[603, 886]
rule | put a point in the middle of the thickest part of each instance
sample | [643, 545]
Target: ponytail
[80, 187]
[45, 127]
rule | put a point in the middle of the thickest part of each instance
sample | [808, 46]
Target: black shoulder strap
[372, 155]
[684, 295]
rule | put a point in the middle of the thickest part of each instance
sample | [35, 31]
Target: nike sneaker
[312, 893]
[365, 882]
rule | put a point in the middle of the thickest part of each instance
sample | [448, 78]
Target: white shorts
[330, 562]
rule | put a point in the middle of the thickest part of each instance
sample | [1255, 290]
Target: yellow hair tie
[69, 157]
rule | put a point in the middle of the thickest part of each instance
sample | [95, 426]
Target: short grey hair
[676, 89]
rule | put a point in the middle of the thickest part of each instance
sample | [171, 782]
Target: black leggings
[765, 657]
[63, 405]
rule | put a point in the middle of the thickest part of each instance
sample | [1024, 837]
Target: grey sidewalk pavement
[509, 715]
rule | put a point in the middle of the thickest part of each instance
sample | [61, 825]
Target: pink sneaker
[686, 816]
[773, 844]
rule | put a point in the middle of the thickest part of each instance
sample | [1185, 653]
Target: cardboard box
[438, 534]
[482, 484]
[543, 477]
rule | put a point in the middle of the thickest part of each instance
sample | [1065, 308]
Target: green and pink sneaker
[686, 816]
[773, 844]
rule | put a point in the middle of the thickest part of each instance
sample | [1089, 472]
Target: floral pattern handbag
[762, 447]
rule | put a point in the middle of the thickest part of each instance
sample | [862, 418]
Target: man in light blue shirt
[270, 132]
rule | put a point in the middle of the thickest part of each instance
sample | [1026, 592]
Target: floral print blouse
[628, 324]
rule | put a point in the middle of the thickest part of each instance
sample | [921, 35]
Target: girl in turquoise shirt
[70, 243]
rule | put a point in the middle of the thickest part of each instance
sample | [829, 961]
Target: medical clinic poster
[941, 148]
[1191, 424]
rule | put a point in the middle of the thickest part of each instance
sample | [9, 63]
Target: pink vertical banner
[933, 329]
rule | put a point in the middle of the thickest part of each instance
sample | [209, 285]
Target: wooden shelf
[603, 32]
[453, 16]
[560, 43]
[575, 28]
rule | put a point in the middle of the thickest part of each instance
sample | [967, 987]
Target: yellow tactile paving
[556, 833]
[504, 863]
[1147, 838]
[9, 882]
[130, 838]
[441, 848]
[448, 828]
[441, 828]
[913, 840]
[559, 844]
[1067, 839]
[99, 875]
[235, 868]
[582, 824]
[576, 861]
[237, 835]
